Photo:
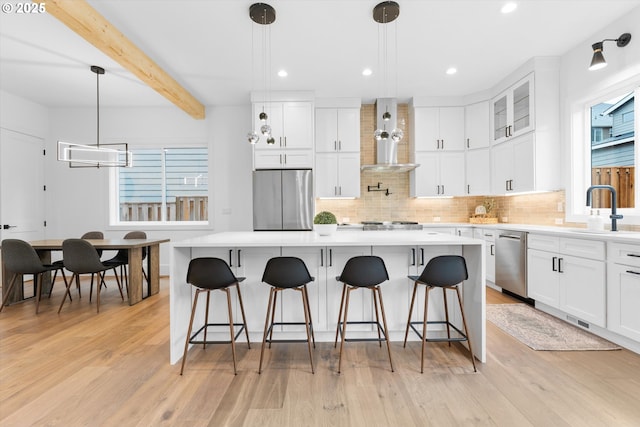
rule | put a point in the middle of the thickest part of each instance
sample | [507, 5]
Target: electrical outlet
[436, 219]
[504, 219]
[559, 221]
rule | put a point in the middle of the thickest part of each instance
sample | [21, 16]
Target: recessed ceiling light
[451, 70]
[509, 7]
[283, 73]
[367, 72]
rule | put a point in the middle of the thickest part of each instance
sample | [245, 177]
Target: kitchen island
[404, 253]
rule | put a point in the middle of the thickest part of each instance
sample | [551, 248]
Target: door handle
[7, 226]
[239, 264]
[413, 256]
[553, 263]
[421, 256]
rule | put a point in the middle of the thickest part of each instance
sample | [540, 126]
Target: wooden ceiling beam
[80, 17]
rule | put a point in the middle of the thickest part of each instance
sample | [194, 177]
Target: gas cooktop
[393, 225]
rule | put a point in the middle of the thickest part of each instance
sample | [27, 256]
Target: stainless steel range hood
[387, 149]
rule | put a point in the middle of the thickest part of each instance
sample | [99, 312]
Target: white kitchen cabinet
[568, 274]
[337, 174]
[291, 124]
[488, 235]
[283, 159]
[512, 111]
[514, 167]
[477, 125]
[337, 130]
[623, 289]
[437, 128]
[478, 172]
[439, 174]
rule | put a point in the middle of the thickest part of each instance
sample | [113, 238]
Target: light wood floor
[80, 368]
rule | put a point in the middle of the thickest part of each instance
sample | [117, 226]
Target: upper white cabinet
[514, 166]
[477, 125]
[337, 151]
[439, 174]
[291, 124]
[478, 175]
[438, 128]
[512, 111]
[337, 129]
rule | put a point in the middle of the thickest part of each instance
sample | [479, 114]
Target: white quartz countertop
[339, 238]
[582, 233]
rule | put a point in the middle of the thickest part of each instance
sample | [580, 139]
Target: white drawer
[624, 253]
[592, 249]
[484, 234]
[543, 242]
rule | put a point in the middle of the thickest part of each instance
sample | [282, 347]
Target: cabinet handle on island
[230, 257]
[330, 257]
[413, 256]
[321, 257]
[633, 272]
[421, 256]
[239, 264]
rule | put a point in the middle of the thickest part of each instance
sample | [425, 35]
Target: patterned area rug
[541, 331]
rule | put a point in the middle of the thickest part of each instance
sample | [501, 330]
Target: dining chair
[20, 258]
[80, 257]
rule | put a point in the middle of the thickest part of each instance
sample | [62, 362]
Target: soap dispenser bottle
[595, 222]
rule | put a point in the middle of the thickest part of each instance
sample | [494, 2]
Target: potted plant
[325, 223]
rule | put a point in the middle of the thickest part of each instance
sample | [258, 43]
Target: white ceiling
[207, 47]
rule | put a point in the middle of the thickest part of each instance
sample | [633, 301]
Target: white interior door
[22, 201]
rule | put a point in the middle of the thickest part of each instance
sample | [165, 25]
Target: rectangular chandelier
[95, 156]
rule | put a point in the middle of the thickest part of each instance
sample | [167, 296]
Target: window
[164, 185]
[613, 151]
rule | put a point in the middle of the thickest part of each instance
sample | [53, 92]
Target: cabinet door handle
[321, 257]
[335, 190]
[285, 141]
[560, 265]
[633, 272]
[421, 256]
[413, 256]
[442, 189]
[634, 255]
[492, 250]
[239, 263]
[506, 185]
[340, 189]
[468, 143]
[230, 257]
[335, 145]
[553, 263]
[339, 145]
[285, 159]
[330, 257]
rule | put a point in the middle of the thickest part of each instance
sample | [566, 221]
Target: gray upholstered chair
[80, 257]
[121, 259]
[20, 258]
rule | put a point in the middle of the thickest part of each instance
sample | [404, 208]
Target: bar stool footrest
[287, 324]
[240, 327]
[461, 338]
[363, 322]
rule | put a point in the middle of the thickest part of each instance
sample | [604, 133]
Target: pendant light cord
[98, 110]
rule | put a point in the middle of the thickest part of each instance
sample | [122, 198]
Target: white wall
[21, 115]
[578, 86]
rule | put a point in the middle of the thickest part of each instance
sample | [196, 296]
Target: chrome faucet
[614, 217]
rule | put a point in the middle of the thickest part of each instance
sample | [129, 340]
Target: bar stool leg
[307, 317]
[306, 298]
[244, 319]
[375, 307]
[344, 289]
[446, 313]
[466, 331]
[344, 327]
[386, 330]
[266, 328]
[186, 342]
[424, 327]
[231, 332]
[413, 298]
[273, 314]
[206, 319]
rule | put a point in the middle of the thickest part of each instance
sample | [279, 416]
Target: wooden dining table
[134, 247]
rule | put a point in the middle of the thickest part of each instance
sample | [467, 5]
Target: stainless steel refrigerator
[283, 199]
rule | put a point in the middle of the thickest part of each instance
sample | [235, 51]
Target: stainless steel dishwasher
[511, 261]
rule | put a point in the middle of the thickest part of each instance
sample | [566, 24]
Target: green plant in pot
[325, 223]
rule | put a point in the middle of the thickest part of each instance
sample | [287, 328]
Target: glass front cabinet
[512, 111]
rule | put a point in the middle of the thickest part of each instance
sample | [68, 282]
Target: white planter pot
[325, 229]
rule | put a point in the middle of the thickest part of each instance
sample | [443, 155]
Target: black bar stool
[210, 274]
[445, 272]
[363, 272]
[287, 273]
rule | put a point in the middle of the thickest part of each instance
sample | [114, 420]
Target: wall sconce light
[598, 61]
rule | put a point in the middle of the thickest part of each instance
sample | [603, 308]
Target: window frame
[579, 178]
[170, 143]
